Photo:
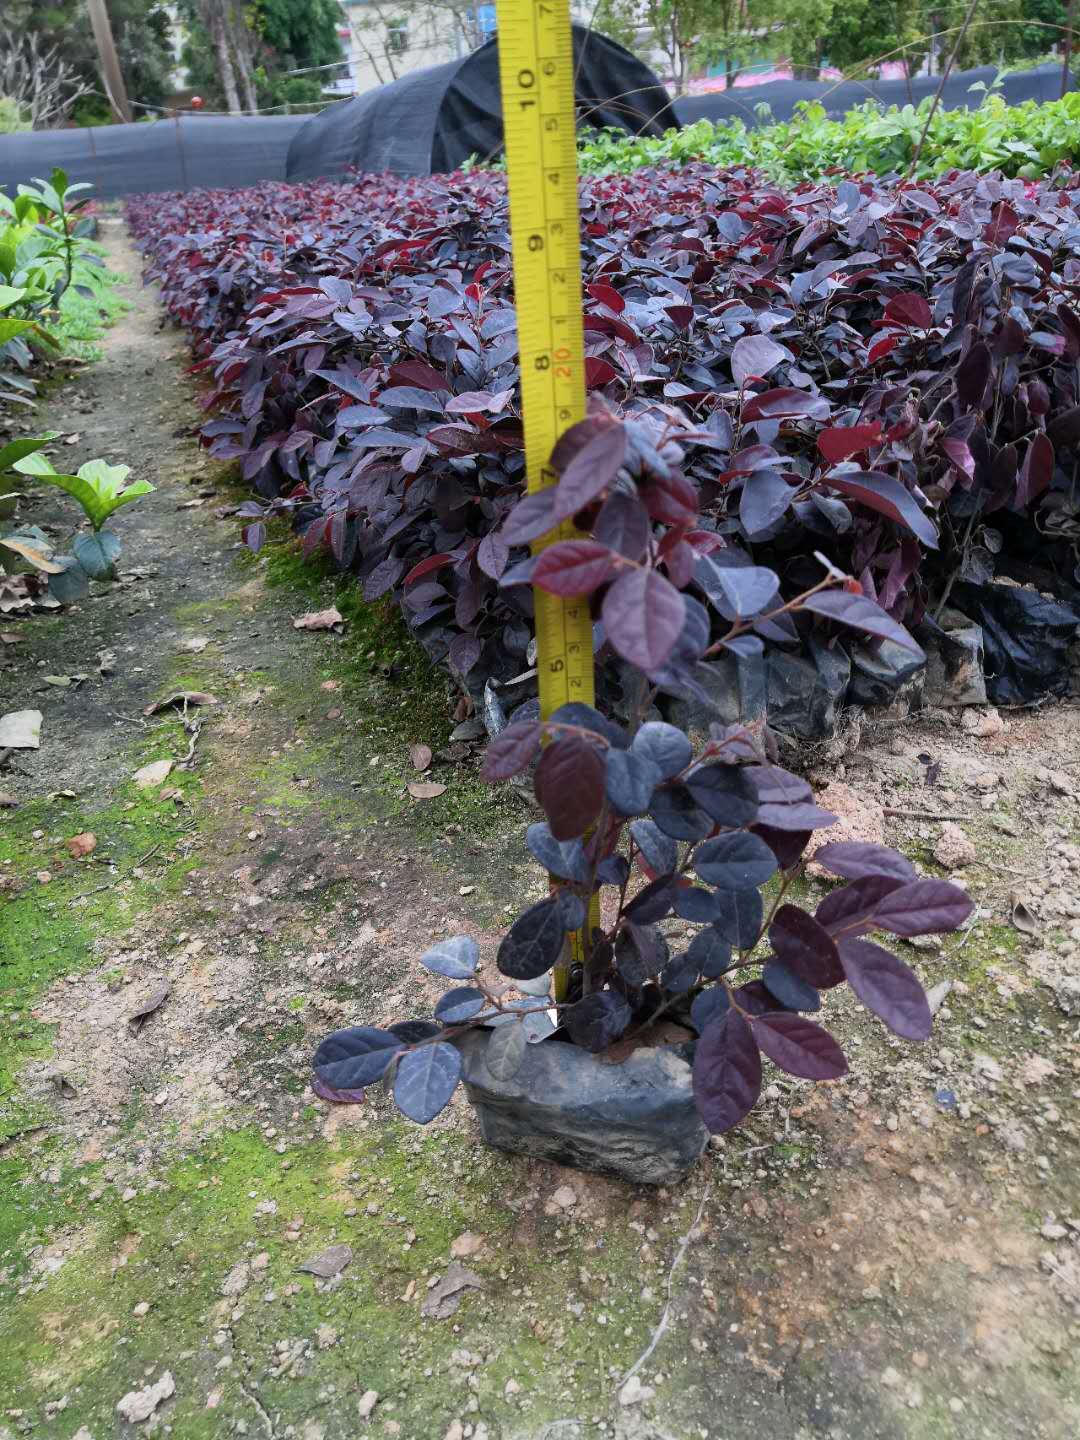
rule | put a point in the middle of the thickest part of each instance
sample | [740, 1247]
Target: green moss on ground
[58, 927]
[567, 1306]
[84, 319]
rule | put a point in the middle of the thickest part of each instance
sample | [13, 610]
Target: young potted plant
[639, 1049]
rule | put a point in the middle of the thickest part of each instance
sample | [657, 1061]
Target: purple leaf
[570, 785]
[754, 355]
[532, 517]
[806, 947]
[785, 404]
[861, 614]
[511, 751]
[799, 1046]
[766, 496]
[856, 859]
[972, 375]
[850, 909]
[465, 651]
[803, 815]
[923, 907]
[1036, 472]
[493, 554]
[888, 497]
[887, 986]
[623, 525]
[643, 617]
[727, 1072]
[591, 470]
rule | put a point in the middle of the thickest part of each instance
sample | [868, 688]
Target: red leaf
[1004, 222]
[881, 348]
[598, 372]
[415, 372]
[570, 785]
[843, 441]
[1036, 472]
[727, 1072]
[573, 567]
[782, 403]
[799, 1046]
[911, 311]
[643, 617]
[608, 296]
[672, 499]
[426, 567]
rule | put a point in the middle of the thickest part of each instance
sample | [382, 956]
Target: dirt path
[893, 1256]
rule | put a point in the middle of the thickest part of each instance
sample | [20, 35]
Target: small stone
[565, 1197]
[953, 849]
[325, 1337]
[456, 1431]
[511, 1388]
[366, 1404]
[956, 1405]
[237, 1280]
[635, 1393]
[139, 1405]
[1052, 1231]
[890, 1378]
[141, 1309]
[465, 1245]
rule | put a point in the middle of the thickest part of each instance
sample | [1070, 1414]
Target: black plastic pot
[636, 1120]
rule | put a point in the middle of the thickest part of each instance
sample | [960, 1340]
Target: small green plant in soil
[100, 488]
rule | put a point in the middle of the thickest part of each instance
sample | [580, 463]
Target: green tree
[140, 29]
[240, 50]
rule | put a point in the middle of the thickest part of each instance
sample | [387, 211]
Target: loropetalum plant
[665, 828]
[887, 372]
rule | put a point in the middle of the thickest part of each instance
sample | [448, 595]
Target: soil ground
[894, 1255]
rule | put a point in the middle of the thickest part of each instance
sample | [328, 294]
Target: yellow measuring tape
[536, 69]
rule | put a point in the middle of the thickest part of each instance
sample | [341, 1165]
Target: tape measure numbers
[536, 69]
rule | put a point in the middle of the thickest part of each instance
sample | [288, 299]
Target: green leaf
[11, 295]
[72, 583]
[19, 449]
[98, 487]
[9, 328]
[97, 554]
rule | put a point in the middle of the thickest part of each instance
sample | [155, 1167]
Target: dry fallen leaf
[1022, 918]
[425, 789]
[420, 755]
[320, 620]
[328, 1262]
[82, 845]
[36, 558]
[445, 1297]
[20, 730]
[154, 1001]
[156, 773]
[181, 698]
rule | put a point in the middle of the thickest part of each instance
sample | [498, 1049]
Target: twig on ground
[665, 1318]
[896, 814]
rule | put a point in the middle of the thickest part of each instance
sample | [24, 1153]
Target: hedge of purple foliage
[879, 373]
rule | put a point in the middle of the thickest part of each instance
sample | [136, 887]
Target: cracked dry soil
[895, 1255]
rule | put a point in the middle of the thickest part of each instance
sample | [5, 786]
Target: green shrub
[1020, 140]
[11, 117]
